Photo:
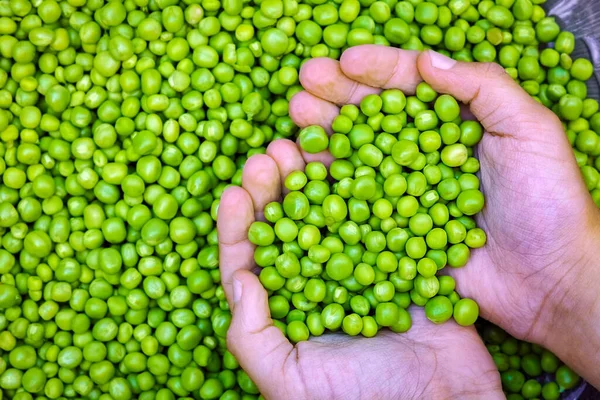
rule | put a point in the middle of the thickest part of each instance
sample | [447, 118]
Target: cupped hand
[534, 273]
[428, 362]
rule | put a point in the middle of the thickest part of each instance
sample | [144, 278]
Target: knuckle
[394, 72]
[347, 97]
[493, 70]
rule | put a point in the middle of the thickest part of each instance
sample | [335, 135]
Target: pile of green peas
[528, 371]
[123, 121]
[356, 254]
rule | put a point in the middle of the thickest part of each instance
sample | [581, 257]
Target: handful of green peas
[354, 252]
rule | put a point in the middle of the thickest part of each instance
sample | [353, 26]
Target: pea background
[120, 127]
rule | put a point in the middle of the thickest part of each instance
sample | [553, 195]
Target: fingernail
[440, 61]
[237, 290]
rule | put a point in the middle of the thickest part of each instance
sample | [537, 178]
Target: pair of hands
[534, 277]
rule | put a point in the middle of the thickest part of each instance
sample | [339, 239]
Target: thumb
[258, 345]
[496, 100]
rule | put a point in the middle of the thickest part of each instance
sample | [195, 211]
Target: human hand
[429, 361]
[534, 277]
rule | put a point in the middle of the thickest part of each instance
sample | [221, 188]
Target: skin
[533, 278]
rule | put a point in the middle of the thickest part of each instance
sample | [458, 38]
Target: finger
[498, 102]
[288, 158]
[382, 67]
[257, 344]
[236, 214]
[324, 78]
[307, 109]
[261, 180]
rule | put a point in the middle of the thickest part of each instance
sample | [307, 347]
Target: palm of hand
[429, 361]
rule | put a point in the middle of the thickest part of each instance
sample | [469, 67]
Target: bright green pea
[466, 312]
[438, 309]
[313, 139]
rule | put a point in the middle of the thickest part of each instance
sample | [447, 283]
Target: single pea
[261, 234]
[296, 205]
[339, 266]
[570, 107]
[447, 108]
[566, 377]
[371, 104]
[426, 120]
[466, 312]
[386, 314]
[297, 331]
[438, 309]
[530, 364]
[531, 389]
[370, 326]
[549, 362]
[550, 391]
[332, 316]
[470, 201]
[454, 155]
[512, 381]
[313, 139]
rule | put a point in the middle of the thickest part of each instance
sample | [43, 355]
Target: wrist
[568, 324]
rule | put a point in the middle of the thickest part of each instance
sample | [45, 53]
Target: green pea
[566, 377]
[274, 41]
[438, 309]
[466, 312]
[386, 314]
[405, 152]
[371, 105]
[396, 30]
[22, 357]
[313, 139]
[512, 381]
[339, 266]
[570, 107]
[261, 234]
[297, 331]
[565, 42]
[332, 316]
[34, 380]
